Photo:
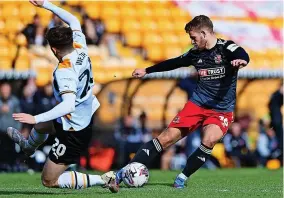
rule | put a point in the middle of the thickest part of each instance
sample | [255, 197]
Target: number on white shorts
[225, 120]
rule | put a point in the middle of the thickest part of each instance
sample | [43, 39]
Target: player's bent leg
[211, 135]
[55, 176]
[171, 135]
[39, 135]
[51, 172]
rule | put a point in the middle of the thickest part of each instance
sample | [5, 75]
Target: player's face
[197, 39]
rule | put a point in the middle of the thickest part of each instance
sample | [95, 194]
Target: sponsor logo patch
[211, 71]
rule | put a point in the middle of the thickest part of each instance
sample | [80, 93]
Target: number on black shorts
[58, 149]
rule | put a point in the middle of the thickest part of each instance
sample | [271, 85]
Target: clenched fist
[239, 62]
[139, 73]
[37, 3]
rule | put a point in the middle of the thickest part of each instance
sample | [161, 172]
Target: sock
[35, 139]
[148, 152]
[196, 160]
[183, 176]
[76, 180]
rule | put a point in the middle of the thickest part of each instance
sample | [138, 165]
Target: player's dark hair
[60, 37]
[199, 22]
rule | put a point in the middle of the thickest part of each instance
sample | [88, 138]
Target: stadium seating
[140, 23]
[155, 26]
[6, 64]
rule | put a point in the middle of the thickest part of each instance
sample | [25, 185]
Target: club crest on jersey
[176, 120]
[218, 59]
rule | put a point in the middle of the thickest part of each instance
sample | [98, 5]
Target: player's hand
[139, 73]
[24, 118]
[37, 3]
[239, 62]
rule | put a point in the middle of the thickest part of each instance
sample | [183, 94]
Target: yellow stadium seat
[165, 26]
[128, 12]
[219, 153]
[4, 42]
[171, 51]
[2, 27]
[109, 12]
[13, 26]
[155, 53]
[148, 25]
[27, 11]
[170, 38]
[5, 52]
[184, 40]
[130, 25]
[44, 15]
[1, 13]
[45, 21]
[9, 11]
[93, 11]
[21, 40]
[179, 14]
[73, 2]
[24, 52]
[160, 4]
[179, 26]
[87, 3]
[22, 64]
[161, 13]
[43, 79]
[278, 23]
[11, 36]
[5, 64]
[263, 20]
[112, 26]
[125, 52]
[150, 39]
[133, 39]
[144, 12]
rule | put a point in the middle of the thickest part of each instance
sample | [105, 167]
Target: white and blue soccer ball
[135, 175]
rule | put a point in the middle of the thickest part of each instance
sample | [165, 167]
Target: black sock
[196, 160]
[147, 152]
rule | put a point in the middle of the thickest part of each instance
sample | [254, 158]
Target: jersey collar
[68, 56]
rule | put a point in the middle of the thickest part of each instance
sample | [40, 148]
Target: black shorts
[69, 145]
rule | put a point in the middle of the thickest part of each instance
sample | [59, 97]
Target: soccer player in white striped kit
[71, 119]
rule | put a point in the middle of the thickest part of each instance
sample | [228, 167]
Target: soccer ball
[135, 175]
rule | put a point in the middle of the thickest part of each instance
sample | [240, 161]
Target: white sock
[181, 175]
[76, 180]
[36, 139]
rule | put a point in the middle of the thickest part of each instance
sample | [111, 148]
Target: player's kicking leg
[149, 151]
[211, 135]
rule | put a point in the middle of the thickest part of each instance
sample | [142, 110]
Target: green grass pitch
[227, 183]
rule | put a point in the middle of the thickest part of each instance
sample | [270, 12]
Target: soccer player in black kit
[211, 104]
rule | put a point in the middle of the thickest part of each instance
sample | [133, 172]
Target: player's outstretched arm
[67, 17]
[65, 107]
[166, 65]
[237, 55]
